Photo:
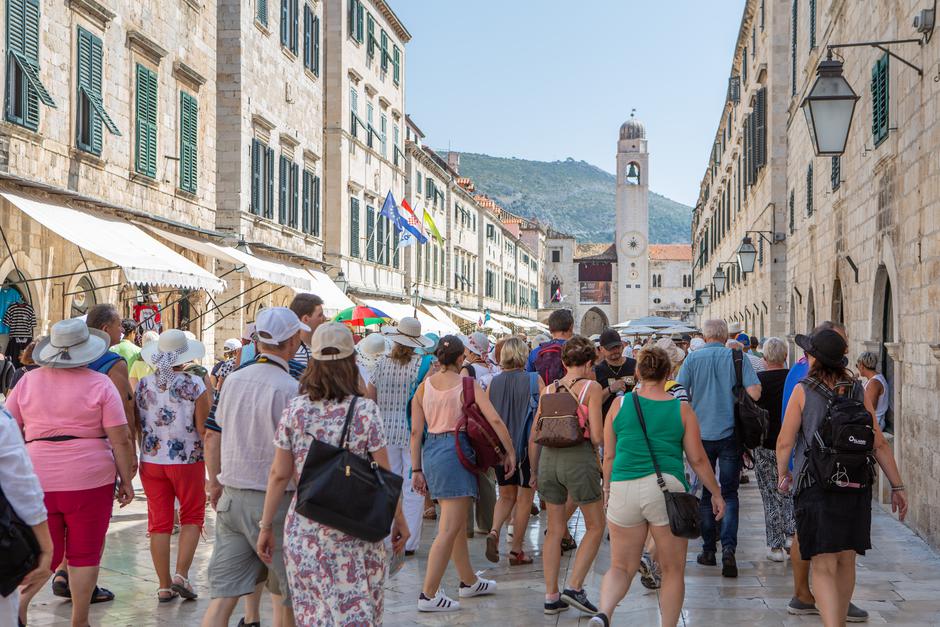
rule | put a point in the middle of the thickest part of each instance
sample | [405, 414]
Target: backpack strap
[738, 358]
[583, 392]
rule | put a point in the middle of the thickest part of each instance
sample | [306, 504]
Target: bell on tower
[633, 174]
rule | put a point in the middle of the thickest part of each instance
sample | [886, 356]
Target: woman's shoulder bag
[681, 507]
[486, 445]
[18, 546]
[342, 490]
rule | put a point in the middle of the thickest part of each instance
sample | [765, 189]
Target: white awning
[400, 310]
[334, 301]
[438, 314]
[276, 272]
[469, 316]
[526, 323]
[493, 325]
[257, 268]
[503, 318]
[143, 259]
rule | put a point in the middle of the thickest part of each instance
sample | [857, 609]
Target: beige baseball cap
[332, 341]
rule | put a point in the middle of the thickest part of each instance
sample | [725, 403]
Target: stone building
[363, 137]
[109, 124]
[863, 229]
[608, 283]
[743, 192]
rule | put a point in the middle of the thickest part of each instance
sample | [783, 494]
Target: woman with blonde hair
[634, 497]
[514, 393]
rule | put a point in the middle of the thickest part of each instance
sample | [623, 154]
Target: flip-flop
[101, 595]
[61, 588]
[519, 558]
[492, 547]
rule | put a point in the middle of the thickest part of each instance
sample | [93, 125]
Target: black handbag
[682, 508]
[18, 546]
[342, 490]
[751, 421]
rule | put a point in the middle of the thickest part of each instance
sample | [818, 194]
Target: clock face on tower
[632, 244]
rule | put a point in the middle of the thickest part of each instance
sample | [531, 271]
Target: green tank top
[664, 426]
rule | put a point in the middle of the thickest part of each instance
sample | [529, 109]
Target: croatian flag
[411, 223]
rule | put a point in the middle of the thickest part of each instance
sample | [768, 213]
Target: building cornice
[94, 11]
[393, 20]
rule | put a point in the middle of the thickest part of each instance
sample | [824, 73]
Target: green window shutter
[809, 190]
[792, 208]
[285, 23]
[283, 172]
[257, 163]
[262, 12]
[305, 203]
[812, 23]
[294, 194]
[760, 113]
[384, 40]
[836, 174]
[880, 99]
[308, 38]
[380, 239]
[396, 65]
[354, 227]
[269, 183]
[316, 206]
[351, 17]
[16, 26]
[189, 143]
[24, 95]
[793, 25]
[294, 26]
[396, 255]
[370, 233]
[370, 37]
[145, 146]
[435, 265]
[316, 46]
[360, 23]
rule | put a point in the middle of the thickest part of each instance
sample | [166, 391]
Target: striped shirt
[21, 319]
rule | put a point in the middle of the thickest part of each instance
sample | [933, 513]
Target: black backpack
[840, 456]
[751, 421]
[548, 363]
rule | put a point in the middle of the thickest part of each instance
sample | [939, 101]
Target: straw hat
[71, 344]
[174, 341]
[407, 333]
[676, 354]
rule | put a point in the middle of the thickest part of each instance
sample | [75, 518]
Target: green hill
[571, 196]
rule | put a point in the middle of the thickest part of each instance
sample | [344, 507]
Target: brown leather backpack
[561, 422]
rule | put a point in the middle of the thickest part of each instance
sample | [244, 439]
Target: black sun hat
[827, 346]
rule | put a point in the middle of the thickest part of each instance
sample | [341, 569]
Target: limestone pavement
[898, 583]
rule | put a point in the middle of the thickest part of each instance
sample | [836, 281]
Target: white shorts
[640, 501]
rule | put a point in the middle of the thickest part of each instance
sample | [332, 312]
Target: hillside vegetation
[571, 196]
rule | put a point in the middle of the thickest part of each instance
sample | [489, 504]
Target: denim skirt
[445, 475]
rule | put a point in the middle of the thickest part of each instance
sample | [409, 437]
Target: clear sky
[552, 79]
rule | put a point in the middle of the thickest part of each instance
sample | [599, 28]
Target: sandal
[182, 586]
[101, 595]
[169, 593]
[60, 584]
[519, 558]
[430, 513]
[492, 546]
[568, 544]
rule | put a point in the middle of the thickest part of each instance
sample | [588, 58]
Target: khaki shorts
[569, 472]
[235, 568]
[640, 501]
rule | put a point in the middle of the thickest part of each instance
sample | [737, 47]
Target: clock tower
[632, 236]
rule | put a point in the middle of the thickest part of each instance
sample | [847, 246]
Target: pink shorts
[78, 523]
[165, 482]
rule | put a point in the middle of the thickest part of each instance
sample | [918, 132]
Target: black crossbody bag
[342, 490]
[18, 546]
[681, 507]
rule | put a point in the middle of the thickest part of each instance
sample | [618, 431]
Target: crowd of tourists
[471, 430]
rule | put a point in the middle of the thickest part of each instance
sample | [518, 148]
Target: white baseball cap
[276, 324]
[232, 344]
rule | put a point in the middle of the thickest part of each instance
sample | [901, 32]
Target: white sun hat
[71, 344]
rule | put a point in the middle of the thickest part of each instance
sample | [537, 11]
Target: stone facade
[863, 241]
[363, 158]
[174, 39]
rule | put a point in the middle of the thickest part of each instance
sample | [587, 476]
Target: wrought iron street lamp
[341, 281]
[415, 299]
[828, 109]
[719, 279]
[747, 255]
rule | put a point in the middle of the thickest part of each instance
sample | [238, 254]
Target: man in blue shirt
[708, 375]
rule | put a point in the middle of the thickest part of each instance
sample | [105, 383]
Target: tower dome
[632, 128]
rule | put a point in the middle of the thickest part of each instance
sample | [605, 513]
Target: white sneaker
[440, 603]
[481, 587]
[509, 531]
[776, 555]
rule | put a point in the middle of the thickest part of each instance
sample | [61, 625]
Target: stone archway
[593, 322]
[883, 331]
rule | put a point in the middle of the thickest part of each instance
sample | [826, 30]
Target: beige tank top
[442, 408]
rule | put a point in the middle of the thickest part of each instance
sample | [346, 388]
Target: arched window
[83, 297]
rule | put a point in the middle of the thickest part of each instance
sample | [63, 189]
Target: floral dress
[167, 420]
[334, 578]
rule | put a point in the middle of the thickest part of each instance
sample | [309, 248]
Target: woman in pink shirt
[79, 442]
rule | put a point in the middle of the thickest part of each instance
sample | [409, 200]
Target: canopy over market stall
[142, 259]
